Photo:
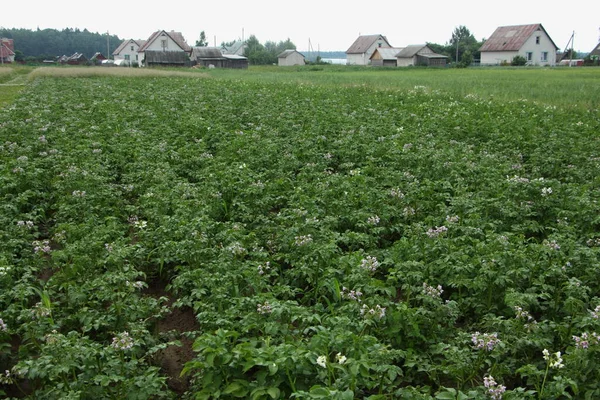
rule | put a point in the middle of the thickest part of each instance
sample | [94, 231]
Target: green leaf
[274, 392]
[237, 388]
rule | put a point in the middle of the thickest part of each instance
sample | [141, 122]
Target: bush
[518, 61]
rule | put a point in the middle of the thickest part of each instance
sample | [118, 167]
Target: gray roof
[410, 51]
[236, 48]
[166, 57]
[596, 51]
[387, 53]
[512, 38]
[287, 53]
[207, 53]
[364, 42]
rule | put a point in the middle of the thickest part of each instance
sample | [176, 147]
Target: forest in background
[31, 45]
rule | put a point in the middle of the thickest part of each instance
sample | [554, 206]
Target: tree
[202, 42]
[259, 54]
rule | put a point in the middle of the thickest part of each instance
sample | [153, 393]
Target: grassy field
[565, 87]
[302, 233]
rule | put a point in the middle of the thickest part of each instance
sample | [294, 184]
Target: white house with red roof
[529, 41]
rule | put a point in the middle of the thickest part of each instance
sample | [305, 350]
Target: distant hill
[52, 42]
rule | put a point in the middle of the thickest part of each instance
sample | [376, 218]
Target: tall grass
[563, 87]
[86, 72]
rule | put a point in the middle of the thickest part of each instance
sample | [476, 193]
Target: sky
[325, 26]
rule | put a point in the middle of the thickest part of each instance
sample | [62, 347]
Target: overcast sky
[329, 26]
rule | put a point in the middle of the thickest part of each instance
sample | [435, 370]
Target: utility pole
[457, 38]
[572, 48]
[107, 46]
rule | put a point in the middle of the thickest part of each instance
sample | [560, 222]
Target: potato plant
[332, 242]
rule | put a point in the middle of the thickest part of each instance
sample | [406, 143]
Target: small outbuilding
[290, 57]
[420, 54]
[385, 57]
[212, 57]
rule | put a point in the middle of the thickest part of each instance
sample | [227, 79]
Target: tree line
[40, 44]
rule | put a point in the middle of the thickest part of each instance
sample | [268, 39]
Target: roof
[177, 37]
[596, 51]
[512, 38]
[5, 51]
[205, 53]
[236, 48]
[364, 42]
[410, 51]
[98, 56]
[387, 53]
[125, 43]
[166, 57]
[9, 43]
[287, 53]
[234, 57]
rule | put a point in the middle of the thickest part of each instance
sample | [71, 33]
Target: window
[127, 57]
[529, 56]
[164, 44]
[544, 56]
[537, 40]
[131, 48]
[136, 57]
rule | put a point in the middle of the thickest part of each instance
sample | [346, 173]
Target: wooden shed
[166, 58]
[212, 57]
[420, 54]
[385, 57]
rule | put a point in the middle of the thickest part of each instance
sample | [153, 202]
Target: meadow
[304, 233]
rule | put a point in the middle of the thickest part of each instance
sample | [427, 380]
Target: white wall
[497, 57]
[131, 53]
[545, 45]
[293, 59]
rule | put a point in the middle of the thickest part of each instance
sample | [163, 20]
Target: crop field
[303, 234]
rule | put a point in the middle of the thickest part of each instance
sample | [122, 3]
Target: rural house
[75, 59]
[128, 51]
[165, 48]
[595, 54]
[529, 41]
[420, 54]
[7, 50]
[385, 56]
[290, 57]
[97, 58]
[213, 57]
[363, 47]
